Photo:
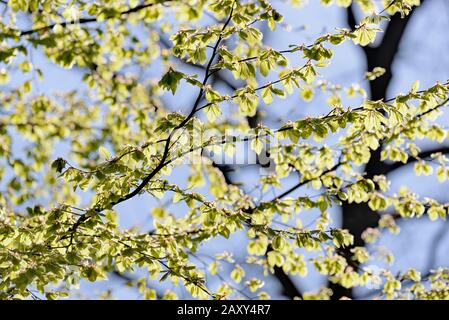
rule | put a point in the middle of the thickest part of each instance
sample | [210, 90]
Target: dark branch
[358, 217]
[162, 162]
[350, 17]
[435, 244]
[217, 75]
[302, 183]
[289, 288]
[423, 155]
[130, 280]
[92, 19]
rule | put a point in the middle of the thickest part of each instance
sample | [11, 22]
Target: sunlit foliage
[58, 218]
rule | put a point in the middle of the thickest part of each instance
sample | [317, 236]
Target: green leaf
[213, 112]
[274, 258]
[267, 96]
[238, 274]
[257, 145]
[278, 243]
[364, 35]
[307, 93]
[58, 165]
[104, 152]
[248, 102]
[171, 79]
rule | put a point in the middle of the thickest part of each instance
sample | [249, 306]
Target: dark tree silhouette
[359, 217]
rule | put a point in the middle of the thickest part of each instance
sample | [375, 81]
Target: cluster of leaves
[124, 140]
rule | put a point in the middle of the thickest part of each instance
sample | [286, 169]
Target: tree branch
[92, 19]
[131, 280]
[302, 183]
[162, 163]
[425, 154]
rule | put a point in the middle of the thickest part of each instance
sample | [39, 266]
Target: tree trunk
[358, 217]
